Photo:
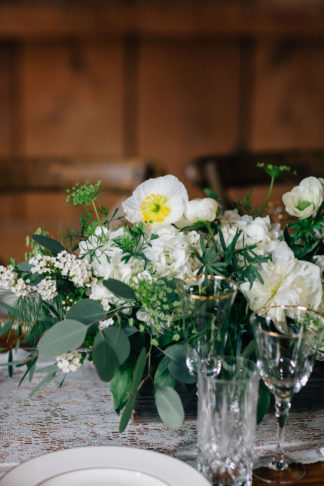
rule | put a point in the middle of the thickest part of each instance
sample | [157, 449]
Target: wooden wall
[167, 82]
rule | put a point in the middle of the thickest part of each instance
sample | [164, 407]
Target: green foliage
[275, 171]
[118, 342]
[263, 401]
[136, 382]
[105, 359]
[169, 406]
[133, 242]
[162, 375]
[239, 264]
[54, 246]
[82, 195]
[63, 337]
[121, 383]
[45, 381]
[177, 365]
[302, 236]
[87, 311]
[120, 289]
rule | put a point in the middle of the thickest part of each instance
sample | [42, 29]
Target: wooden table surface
[314, 476]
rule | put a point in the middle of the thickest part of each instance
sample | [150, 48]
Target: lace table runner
[81, 414]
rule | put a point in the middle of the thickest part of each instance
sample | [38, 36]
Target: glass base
[266, 471]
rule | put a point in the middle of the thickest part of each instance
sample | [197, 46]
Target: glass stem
[282, 409]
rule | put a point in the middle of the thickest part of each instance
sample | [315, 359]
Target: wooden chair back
[232, 176]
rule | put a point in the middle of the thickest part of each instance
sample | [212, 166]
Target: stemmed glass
[206, 304]
[287, 339]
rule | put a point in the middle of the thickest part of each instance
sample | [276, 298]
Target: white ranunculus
[303, 200]
[258, 231]
[172, 254]
[159, 200]
[201, 209]
[286, 281]
[319, 260]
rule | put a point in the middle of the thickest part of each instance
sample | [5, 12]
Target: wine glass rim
[284, 335]
[209, 297]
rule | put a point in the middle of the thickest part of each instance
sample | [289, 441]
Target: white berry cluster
[69, 361]
[10, 280]
[69, 265]
[106, 323]
[47, 289]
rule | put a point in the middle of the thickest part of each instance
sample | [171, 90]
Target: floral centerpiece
[107, 292]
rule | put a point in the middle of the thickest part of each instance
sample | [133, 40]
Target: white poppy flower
[159, 200]
[201, 209]
[303, 200]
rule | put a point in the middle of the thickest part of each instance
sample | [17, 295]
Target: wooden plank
[181, 20]
[73, 98]
[6, 115]
[188, 101]
[288, 106]
[117, 174]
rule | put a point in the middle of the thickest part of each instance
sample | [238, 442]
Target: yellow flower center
[155, 208]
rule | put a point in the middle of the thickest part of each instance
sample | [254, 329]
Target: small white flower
[201, 209]
[69, 362]
[159, 200]
[47, 289]
[304, 200]
[106, 323]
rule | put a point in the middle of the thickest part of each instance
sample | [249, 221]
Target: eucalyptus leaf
[118, 341]
[169, 406]
[127, 413]
[52, 245]
[48, 378]
[129, 331]
[63, 337]
[24, 267]
[162, 375]
[177, 366]
[45, 369]
[139, 369]
[120, 289]
[87, 311]
[121, 384]
[105, 360]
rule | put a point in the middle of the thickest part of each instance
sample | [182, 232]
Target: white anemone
[303, 200]
[159, 200]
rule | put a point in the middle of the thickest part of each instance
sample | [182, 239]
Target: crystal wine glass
[206, 304]
[287, 339]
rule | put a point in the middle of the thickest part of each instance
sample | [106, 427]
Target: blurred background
[122, 90]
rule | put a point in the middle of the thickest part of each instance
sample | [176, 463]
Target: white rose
[303, 200]
[201, 210]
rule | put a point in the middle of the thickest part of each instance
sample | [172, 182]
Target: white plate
[109, 466]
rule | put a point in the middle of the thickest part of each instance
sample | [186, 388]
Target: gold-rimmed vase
[287, 339]
[206, 302]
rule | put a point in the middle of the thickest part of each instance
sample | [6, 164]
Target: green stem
[268, 196]
[96, 213]
[210, 231]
